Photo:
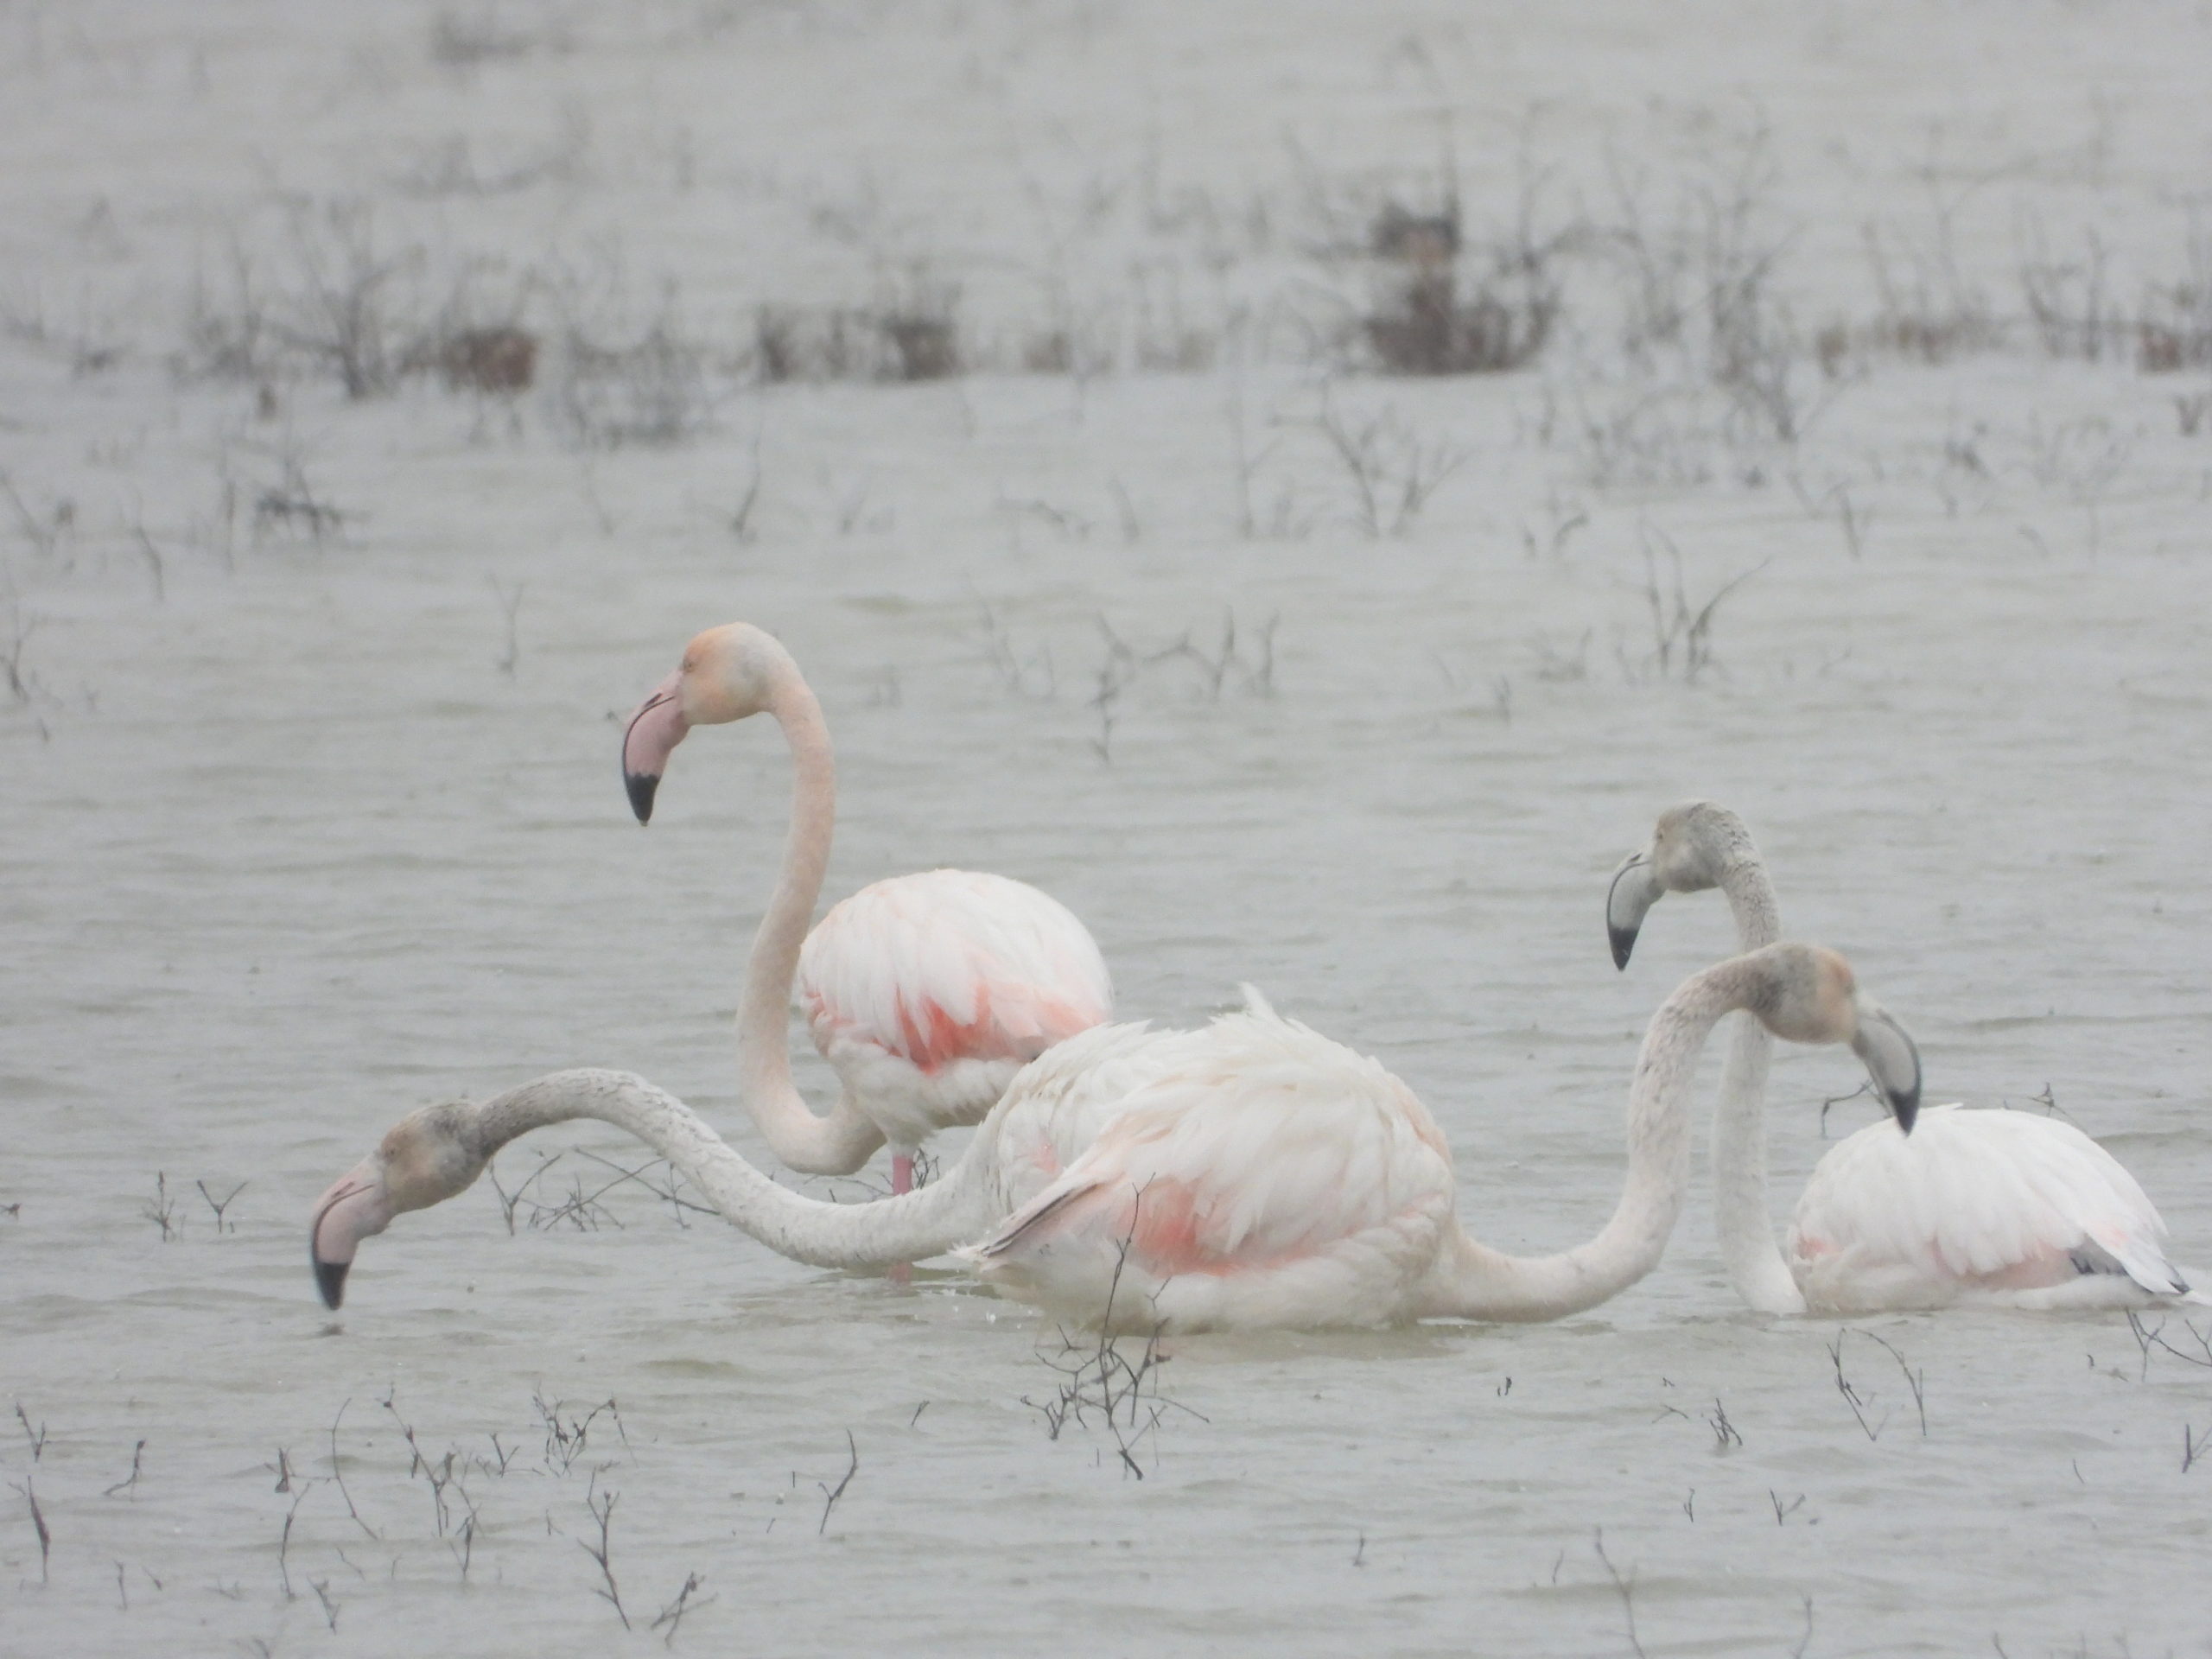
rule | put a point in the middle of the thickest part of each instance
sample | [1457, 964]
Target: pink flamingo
[1987, 1207]
[926, 993]
[1249, 1174]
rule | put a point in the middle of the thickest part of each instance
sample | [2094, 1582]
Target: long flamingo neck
[840, 1143]
[1752, 902]
[1480, 1283]
[1742, 1223]
[947, 1212]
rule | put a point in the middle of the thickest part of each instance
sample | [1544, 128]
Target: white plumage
[927, 993]
[1976, 1206]
[1250, 1173]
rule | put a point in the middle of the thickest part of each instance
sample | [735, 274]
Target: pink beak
[356, 1208]
[655, 730]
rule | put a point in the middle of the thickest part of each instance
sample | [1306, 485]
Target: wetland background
[1303, 483]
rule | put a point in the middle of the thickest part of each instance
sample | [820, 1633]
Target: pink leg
[902, 1180]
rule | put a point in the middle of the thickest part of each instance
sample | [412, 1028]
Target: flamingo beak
[1892, 1060]
[654, 731]
[1636, 888]
[356, 1207]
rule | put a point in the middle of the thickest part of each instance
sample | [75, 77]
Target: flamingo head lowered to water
[1822, 1003]
[428, 1156]
[727, 674]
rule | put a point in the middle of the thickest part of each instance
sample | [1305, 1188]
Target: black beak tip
[1905, 1107]
[330, 1280]
[641, 786]
[1623, 941]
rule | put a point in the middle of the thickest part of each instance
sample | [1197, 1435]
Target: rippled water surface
[297, 844]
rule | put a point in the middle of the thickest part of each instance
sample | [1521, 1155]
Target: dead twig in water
[1626, 1588]
[1674, 621]
[218, 1208]
[337, 1474]
[2147, 1338]
[831, 1497]
[565, 1442]
[38, 1523]
[672, 1615]
[1101, 1378]
[1838, 1100]
[162, 1211]
[602, 1510]
[1723, 1432]
[510, 1201]
[1916, 1380]
[443, 1474]
[21, 627]
[130, 1482]
[37, 1437]
[671, 1194]
[284, 1540]
[2050, 1106]
[1115, 672]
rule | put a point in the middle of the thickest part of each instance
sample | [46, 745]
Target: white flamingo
[1989, 1207]
[1249, 1174]
[926, 993]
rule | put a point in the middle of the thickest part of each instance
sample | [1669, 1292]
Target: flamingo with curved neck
[1249, 1174]
[2002, 1208]
[926, 993]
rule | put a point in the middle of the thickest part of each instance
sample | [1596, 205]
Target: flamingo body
[1249, 1174]
[927, 993]
[1991, 1207]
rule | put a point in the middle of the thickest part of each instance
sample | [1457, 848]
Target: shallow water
[288, 853]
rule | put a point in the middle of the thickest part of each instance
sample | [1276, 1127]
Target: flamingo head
[427, 1158]
[1692, 848]
[727, 674]
[1813, 997]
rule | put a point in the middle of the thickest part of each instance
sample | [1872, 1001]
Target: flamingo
[1987, 1207]
[1249, 1173]
[926, 993]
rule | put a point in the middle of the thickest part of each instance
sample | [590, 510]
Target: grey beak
[641, 786]
[1635, 890]
[1892, 1060]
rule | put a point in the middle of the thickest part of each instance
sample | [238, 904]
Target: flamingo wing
[1972, 1202]
[1251, 1173]
[952, 965]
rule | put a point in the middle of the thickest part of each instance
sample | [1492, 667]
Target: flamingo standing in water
[926, 993]
[1989, 1207]
[1249, 1173]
